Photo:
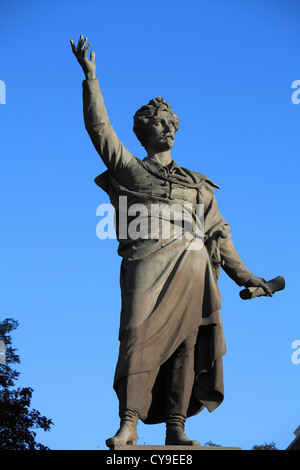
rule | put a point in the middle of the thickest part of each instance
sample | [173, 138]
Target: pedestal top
[151, 448]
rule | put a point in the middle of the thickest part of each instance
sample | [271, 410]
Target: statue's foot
[176, 437]
[126, 435]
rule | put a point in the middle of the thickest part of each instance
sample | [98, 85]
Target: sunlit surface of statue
[171, 336]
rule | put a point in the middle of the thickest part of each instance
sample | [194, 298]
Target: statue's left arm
[236, 270]
[222, 250]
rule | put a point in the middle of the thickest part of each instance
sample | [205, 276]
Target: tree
[211, 444]
[17, 421]
[265, 446]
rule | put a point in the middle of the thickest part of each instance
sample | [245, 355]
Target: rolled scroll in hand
[276, 284]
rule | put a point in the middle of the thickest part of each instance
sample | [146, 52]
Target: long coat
[168, 283]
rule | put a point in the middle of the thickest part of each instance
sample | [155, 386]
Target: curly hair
[146, 113]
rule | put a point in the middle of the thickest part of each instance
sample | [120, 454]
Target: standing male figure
[171, 337]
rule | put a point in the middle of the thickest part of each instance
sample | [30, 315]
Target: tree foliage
[17, 421]
[265, 446]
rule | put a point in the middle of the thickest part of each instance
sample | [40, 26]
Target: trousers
[179, 380]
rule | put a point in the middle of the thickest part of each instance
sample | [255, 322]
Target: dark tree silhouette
[17, 421]
[265, 446]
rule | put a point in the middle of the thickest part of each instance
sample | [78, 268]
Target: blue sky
[226, 68]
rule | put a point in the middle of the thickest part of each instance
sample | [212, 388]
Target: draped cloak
[168, 280]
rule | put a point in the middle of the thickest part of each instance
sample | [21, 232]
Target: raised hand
[88, 65]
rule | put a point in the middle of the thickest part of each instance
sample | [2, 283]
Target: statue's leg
[131, 394]
[127, 433]
[179, 385]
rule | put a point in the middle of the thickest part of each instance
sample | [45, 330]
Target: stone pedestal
[170, 448]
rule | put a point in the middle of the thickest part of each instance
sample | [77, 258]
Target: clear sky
[226, 68]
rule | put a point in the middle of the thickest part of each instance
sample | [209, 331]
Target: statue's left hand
[256, 281]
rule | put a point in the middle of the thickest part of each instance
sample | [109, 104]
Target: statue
[171, 337]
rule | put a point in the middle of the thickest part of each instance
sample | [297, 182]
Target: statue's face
[161, 130]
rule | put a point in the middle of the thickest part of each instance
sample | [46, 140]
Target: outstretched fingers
[86, 50]
[73, 46]
[93, 55]
[83, 44]
[80, 45]
[80, 41]
[77, 50]
[81, 51]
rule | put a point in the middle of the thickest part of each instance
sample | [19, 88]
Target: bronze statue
[171, 337]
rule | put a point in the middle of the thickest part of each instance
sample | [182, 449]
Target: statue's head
[156, 121]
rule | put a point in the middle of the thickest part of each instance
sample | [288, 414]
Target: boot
[126, 434]
[175, 435]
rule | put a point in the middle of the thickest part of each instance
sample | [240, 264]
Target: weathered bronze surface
[171, 335]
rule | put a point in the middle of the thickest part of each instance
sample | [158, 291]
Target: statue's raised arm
[113, 153]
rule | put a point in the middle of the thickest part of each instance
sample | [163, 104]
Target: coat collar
[174, 169]
[155, 165]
